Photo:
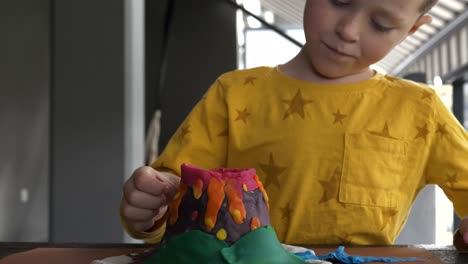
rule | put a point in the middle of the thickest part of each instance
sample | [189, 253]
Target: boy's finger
[140, 226]
[172, 184]
[136, 214]
[160, 212]
[147, 180]
[143, 200]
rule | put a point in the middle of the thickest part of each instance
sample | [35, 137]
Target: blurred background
[90, 90]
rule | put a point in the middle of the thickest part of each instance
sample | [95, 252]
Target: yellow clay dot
[209, 224]
[244, 186]
[176, 195]
[221, 234]
[254, 223]
[237, 215]
[197, 188]
[196, 193]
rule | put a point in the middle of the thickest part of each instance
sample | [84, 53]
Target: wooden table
[85, 253]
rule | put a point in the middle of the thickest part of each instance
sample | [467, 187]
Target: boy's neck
[300, 68]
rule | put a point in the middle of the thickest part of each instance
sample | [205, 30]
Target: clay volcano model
[226, 203]
[220, 216]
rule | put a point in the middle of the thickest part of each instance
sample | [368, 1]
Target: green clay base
[260, 246]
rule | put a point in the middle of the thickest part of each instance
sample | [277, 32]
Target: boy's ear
[425, 19]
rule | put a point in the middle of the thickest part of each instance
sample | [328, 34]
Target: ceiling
[444, 15]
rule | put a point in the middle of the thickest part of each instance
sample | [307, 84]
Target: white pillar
[134, 114]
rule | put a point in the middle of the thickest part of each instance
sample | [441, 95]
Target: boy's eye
[340, 2]
[377, 26]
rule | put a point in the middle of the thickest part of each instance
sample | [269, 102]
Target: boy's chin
[328, 73]
[340, 73]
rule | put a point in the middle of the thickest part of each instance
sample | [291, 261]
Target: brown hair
[427, 5]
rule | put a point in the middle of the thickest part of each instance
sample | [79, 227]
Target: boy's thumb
[172, 185]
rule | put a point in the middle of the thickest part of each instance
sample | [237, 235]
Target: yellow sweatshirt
[342, 164]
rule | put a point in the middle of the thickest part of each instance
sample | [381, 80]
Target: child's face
[344, 37]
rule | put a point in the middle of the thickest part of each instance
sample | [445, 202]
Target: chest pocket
[372, 170]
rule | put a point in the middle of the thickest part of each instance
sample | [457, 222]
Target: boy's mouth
[336, 51]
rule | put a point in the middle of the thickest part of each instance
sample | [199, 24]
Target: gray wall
[87, 120]
[155, 20]
[420, 227]
[24, 120]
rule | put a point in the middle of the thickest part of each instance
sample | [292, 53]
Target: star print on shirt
[331, 187]
[296, 105]
[426, 95]
[441, 130]
[391, 212]
[388, 213]
[205, 118]
[184, 131]
[250, 80]
[452, 179]
[272, 172]
[422, 132]
[286, 212]
[242, 115]
[346, 240]
[339, 117]
[221, 86]
[384, 133]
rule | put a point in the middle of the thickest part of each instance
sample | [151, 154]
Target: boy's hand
[146, 195]
[461, 242]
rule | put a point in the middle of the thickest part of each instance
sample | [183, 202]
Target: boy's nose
[347, 29]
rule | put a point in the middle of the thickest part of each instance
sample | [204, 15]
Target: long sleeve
[152, 236]
[448, 162]
[200, 140]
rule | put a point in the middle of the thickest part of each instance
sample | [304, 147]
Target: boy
[342, 150]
